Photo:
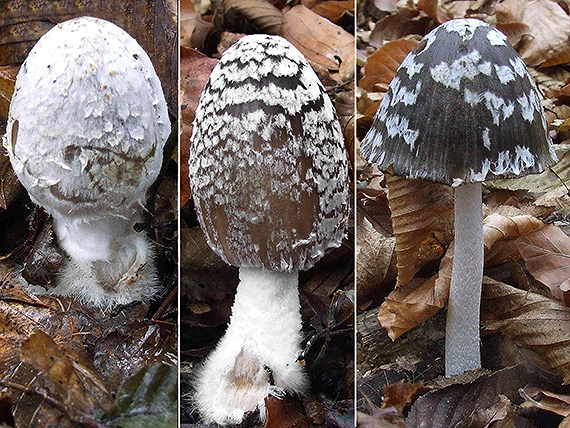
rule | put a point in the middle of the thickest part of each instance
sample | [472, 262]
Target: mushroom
[461, 109]
[85, 135]
[268, 173]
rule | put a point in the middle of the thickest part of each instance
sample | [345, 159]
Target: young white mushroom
[269, 177]
[85, 135]
[462, 109]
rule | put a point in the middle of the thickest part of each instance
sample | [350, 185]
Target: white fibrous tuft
[85, 135]
[268, 167]
[459, 105]
[258, 354]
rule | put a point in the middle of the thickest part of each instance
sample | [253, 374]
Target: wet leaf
[286, 412]
[382, 65]
[539, 398]
[147, 399]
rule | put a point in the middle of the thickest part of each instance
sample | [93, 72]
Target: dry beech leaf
[539, 398]
[195, 69]
[433, 10]
[333, 10]
[260, 14]
[286, 412]
[10, 186]
[549, 27]
[546, 254]
[399, 25]
[473, 404]
[422, 218]
[374, 258]
[531, 320]
[382, 65]
[187, 20]
[408, 306]
[325, 45]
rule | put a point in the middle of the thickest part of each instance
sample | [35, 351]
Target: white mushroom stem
[462, 351]
[260, 346]
[109, 262]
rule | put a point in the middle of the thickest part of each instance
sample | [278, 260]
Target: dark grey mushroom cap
[462, 108]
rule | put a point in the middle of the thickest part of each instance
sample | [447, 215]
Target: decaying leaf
[531, 320]
[401, 394]
[187, 19]
[539, 398]
[399, 25]
[382, 65]
[334, 10]
[325, 45]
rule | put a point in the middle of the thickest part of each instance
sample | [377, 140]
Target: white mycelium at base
[263, 337]
[85, 135]
[462, 329]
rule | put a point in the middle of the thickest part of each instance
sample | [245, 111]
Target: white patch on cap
[472, 98]
[498, 107]
[486, 139]
[519, 66]
[527, 109]
[468, 66]
[504, 73]
[412, 67]
[464, 27]
[496, 38]
[402, 94]
[396, 125]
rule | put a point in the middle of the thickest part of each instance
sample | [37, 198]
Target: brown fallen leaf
[531, 320]
[399, 25]
[473, 404]
[401, 394]
[261, 15]
[325, 45]
[549, 27]
[286, 412]
[409, 306]
[374, 258]
[187, 19]
[7, 82]
[546, 254]
[382, 65]
[422, 218]
[333, 10]
[539, 398]
[388, 418]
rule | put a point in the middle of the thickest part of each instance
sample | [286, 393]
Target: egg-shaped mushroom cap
[461, 108]
[87, 121]
[268, 167]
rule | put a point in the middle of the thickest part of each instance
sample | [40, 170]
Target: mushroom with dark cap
[86, 129]
[461, 109]
[269, 177]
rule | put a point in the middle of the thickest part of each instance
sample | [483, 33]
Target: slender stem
[462, 351]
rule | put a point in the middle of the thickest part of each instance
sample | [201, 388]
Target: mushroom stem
[109, 262]
[462, 351]
[258, 354]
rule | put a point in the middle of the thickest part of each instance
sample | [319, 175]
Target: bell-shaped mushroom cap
[461, 108]
[88, 120]
[268, 168]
